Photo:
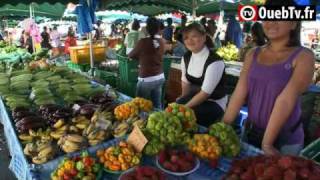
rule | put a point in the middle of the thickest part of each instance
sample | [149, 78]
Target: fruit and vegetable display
[82, 167]
[205, 146]
[185, 114]
[229, 52]
[143, 172]
[120, 157]
[177, 160]
[167, 128]
[274, 167]
[227, 138]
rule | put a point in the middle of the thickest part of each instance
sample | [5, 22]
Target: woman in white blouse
[203, 77]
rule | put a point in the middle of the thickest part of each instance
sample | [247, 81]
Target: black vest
[220, 90]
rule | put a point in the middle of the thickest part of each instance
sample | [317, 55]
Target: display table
[20, 166]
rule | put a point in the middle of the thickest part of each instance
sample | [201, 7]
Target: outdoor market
[158, 90]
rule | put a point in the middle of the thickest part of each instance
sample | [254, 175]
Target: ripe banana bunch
[121, 129]
[40, 151]
[71, 142]
[80, 123]
[98, 136]
[60, 131]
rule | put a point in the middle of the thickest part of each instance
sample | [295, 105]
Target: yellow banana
[38, 160]
[75, 138]
[25, 137]
[89, 129]
[73, 129]
[94, 142]
[81, 126]
[101, 135]
[58, 124]
[32, 133]
[72, 144]
[56, 134]
[63, 128]
[45, 152]
[93, 135]
[69, 149]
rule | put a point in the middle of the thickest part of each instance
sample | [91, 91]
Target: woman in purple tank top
[271, 82]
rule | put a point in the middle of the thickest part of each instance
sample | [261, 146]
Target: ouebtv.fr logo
[276, 13]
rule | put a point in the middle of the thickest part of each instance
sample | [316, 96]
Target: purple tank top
[265, 83]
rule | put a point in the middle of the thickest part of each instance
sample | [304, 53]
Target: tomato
[87, 161]
[73, 172]
[169, 109]
[66, 177]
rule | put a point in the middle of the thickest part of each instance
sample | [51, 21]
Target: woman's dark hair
[294, 39]
[200, 29]
[153, 26]
[135, 25]
[257, 32]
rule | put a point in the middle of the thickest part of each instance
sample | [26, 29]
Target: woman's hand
[270, 150]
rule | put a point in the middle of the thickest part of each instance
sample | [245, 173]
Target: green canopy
[154, 7]
[28, 2]
[45, 9]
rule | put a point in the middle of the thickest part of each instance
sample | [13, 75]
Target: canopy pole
[194, 8]
[91, 54]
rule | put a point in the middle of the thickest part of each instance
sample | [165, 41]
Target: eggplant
[22, 114]
[29, 120]
[26, 127]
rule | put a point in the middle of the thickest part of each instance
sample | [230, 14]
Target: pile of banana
[71, 142]
[59, 129]
[99, 128]
[79, 123]
[39, 147]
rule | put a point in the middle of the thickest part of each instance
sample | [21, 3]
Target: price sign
[137, 139]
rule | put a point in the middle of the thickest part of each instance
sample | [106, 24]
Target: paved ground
[6, 174]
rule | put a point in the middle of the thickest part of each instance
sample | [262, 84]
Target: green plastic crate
[128, 88]
[312, 151]
[128, 69]
[78, 67]
[108, 77]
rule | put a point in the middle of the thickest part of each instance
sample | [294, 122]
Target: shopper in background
[149, 52]
[168, 31]
[55, 41]
[98, 31]
[70, 41]
[180, 28]
[22, 39]
[179, 48]
[212, 32]
[258, 38]
[28, 44]
[133, 36]
[202, 76]
[233, 33]
[271, 83]
[45, 38]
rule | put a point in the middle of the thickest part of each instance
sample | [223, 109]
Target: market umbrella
[27, 2]
[86, 18]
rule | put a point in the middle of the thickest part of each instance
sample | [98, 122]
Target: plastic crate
[128, 69]
[128, 88]
[78, 67]
[108, 77]
[81, 54]
[312, 151]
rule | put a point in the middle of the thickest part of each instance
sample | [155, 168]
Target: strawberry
[272, 171]
[247, 176]
[189, 157]
[289, 175]
[259, 170]
[167, 165]
[174, 158]
[285, 162]
[162, 156]
[304, 173]
[148, 171]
